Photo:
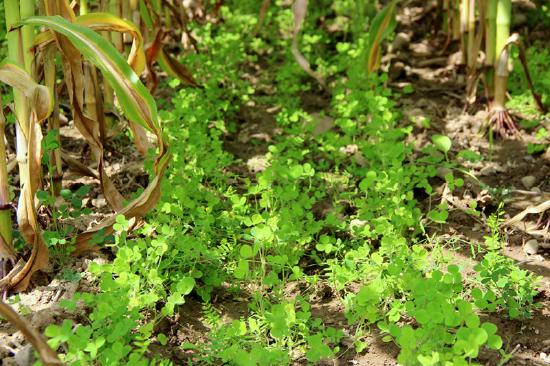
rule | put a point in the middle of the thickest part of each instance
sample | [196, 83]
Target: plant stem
[115, 7]
[83, 7]
[108, 93]
[22, 115]
[456, 20]
[490, 45]
[447, 16]
[25, 56]
[472, 56]
[27, 9]
[503, 20]
[502, 24]
[5, 209]
[464, 15]
[13, 16]
[55, 165]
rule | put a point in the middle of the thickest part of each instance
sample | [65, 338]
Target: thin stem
[55, 165]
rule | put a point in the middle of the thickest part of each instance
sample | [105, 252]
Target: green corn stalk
[115, 8]
[19, 51]
[490, 45]
[6, 249]
[24, 56]
[503, 21]
[455, 9]
[446, 16]
[83, 7]
[471, 54]
[12, 14]
[464, 16]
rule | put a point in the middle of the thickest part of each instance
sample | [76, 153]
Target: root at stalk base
[543, 222]
[6, 265]
[503, 123]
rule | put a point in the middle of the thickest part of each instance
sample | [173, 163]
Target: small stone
[535, 189]
[537, 331]
[349, 149]
[397, 69]
[99, 202]
[455, 58]
[257, 164]
[528, 181]
[322, 123]
[531, 247]
[488, 170]
[400, 41]
[25, 356]
[421, 49]
[357, 224]
[360, 159]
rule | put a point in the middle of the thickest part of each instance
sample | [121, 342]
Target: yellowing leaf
[382, 25]
[111, 23]
[135, 100]
[47, 355]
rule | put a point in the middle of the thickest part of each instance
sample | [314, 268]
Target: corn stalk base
[503, 123]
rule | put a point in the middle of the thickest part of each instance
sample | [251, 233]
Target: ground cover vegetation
[274, 182]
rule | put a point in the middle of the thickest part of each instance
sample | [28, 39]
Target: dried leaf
[176, 69]
[78, 166]
[151, 55]
[540, 208]
[41, 105]
[140, 139]
[47, 355]
[502, 67]
[37, 94]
